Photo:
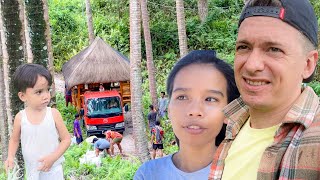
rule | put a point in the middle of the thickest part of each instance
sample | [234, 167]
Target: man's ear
[311, 64]
[22, 96]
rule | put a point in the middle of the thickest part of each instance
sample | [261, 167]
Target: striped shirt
[295, 151]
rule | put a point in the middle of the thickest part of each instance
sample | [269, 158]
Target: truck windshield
[104, 107]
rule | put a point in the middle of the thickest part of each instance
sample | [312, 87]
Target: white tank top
[38, 140]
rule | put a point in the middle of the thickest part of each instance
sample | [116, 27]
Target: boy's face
[195, 108]
[37, 97]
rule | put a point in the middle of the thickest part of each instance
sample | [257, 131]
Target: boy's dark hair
[26, 76]
[151, 107]
[94, 140]
[158, 123]
[162, 92]
[205, 57]
[76, 115]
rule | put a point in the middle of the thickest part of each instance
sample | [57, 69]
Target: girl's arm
[65, 140]
[14, 142]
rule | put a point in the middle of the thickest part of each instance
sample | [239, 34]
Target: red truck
[103, 111]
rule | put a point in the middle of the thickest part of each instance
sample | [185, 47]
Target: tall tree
[37, 27]
[49, 45]
[4, 134]
[89, 21]
[39, 33]
[139, 134]
[148, 44]
[203, 9]
[13, 56]
[183, 46]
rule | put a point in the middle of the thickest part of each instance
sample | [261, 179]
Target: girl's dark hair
[207, 57]
[26, 76]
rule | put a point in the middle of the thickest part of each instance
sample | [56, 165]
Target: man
[163, 105]
[274, 127]
[152, 117]
[77, 129]
[100, 145]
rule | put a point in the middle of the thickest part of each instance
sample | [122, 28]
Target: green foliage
[111, 168]
[316, 87]
[67, 112]
[169, 138]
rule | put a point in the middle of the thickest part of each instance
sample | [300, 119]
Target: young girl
[199, 86]
[39, 127]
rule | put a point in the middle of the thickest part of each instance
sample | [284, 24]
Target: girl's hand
[8, 164]
[46, 163]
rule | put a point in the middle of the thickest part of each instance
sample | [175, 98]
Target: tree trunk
[141, 143]
[4, 135]
[183, 46]
[50, 50]
[24, 33]
[148, 44]
[13, 56]
[203, 9]
[89, 21]
[37, 28]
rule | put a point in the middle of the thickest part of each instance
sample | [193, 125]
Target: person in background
[77, 129]
[152, 117]
[68, 95]
[199, 86]
[101, 145]
[44, 137]
[101, 88]
[157, 134]
[162, 105]
[114, 138]
[274, 127]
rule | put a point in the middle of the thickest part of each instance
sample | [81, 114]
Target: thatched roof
[97, 63]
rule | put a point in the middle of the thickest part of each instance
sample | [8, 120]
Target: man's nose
[255, 61]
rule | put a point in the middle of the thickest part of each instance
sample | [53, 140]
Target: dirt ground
[127, 142]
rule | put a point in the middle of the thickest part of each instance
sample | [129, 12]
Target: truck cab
[103, 111]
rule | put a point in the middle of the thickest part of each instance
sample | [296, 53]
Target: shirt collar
[302, 112]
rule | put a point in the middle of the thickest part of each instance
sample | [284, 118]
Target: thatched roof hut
[97, 63]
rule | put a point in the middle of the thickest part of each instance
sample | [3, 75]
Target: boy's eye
[38, 92]
[211, 99]
[182, 97]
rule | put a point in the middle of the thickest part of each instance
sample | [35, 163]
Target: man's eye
[181, 97]
[38, 92]
[211, 99]
[274, 49]
[241, 47]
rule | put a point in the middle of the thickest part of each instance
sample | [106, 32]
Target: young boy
[77, 129]
[39, 127]
[114, 138]
[157, 140]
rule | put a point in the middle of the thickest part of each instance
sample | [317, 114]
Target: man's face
[270, 63]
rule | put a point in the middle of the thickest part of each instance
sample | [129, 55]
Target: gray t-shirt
[163, 168]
